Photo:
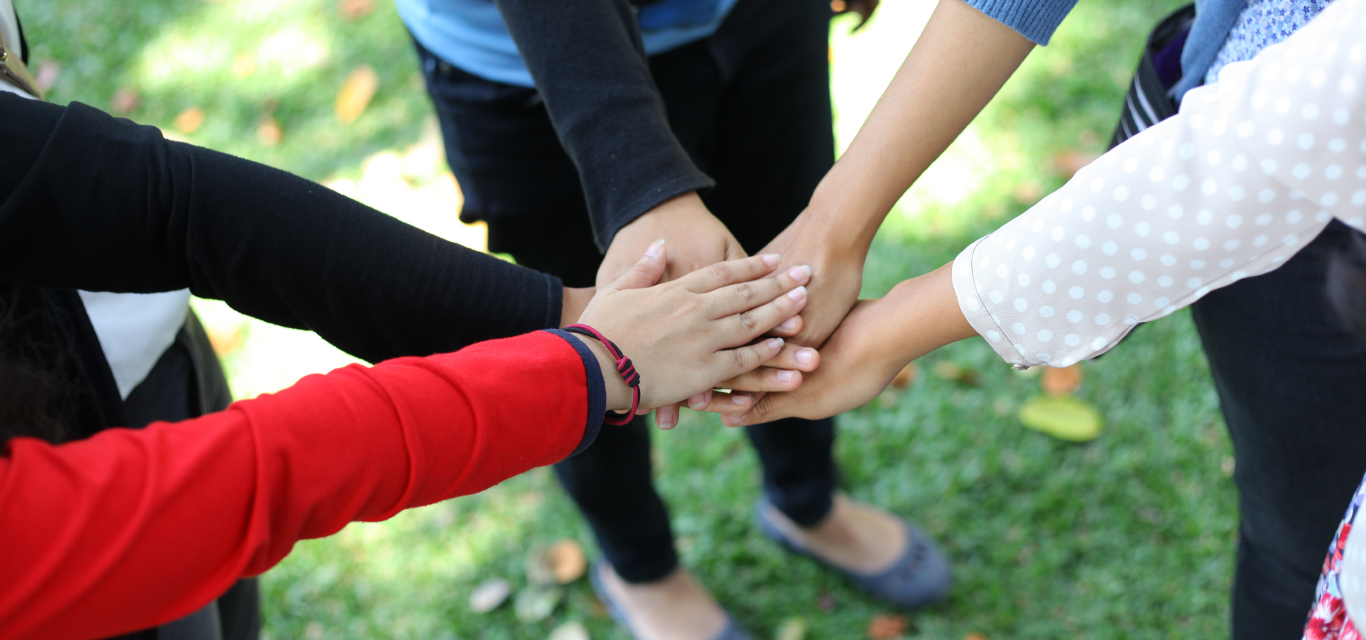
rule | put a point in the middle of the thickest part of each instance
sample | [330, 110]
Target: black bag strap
[1148, 101]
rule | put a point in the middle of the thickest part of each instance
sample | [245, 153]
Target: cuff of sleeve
[1033, 19]
[965, 288]
[597, 392]
[643, 203]
[554, 307]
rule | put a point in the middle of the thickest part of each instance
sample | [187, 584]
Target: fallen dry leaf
[356, 93]
[1069, 162]
[791, 629]
[1061, 382]
[269, 132]
[950, 370]
[973, 635]
[225, 342]
[125, 100]
[886, 627]
[536, 602]
[567, 561]
[45, 76]
[907, 376]
[189, 120]
[573, 630]
[355, 9]
[489, 595]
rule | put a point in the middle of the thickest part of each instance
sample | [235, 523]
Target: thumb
[734, 251]
[646, 271]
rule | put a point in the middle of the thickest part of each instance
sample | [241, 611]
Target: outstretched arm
[88, 201]
[1247, 174]
[960, 61]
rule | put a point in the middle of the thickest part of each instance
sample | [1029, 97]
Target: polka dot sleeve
[1248, 173]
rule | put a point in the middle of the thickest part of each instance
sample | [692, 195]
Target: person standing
[580, 131]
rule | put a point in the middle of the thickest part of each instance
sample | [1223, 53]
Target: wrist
[617, 391]
[572, 303]
[842, 212]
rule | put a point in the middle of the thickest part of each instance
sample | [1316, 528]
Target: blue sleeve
[1033, 19]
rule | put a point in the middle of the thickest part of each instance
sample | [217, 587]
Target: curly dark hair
[39, 395]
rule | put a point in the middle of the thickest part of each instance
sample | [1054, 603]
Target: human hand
[687, 335]
[837, 274]
[876, 339]
[695, 237]
[855, 366]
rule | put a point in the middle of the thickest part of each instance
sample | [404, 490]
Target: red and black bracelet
[624, 367]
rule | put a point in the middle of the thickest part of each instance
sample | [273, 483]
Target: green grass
[1130, 536]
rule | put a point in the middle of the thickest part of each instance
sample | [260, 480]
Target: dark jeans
[1292, 384]
[751, 105]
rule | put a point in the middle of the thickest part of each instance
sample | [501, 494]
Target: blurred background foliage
[1131, 536]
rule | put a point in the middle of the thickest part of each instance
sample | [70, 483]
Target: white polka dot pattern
[1250, 171]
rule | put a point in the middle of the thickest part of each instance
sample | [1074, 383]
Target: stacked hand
[687, 336]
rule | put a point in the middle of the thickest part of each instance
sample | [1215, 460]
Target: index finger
[730, 272]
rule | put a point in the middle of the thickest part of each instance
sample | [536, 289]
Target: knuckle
[745, 291]
[747, 321]
[742, 358]
[721, 272]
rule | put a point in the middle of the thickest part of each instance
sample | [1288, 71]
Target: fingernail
[800, 274]
[653, 251]
[697, 402]
[807, 268]
[786, 376]
[806, 356]
[739, 399]
[789, 324]
[797, 294]
[772, 259]
[665, 419]
[775, 344]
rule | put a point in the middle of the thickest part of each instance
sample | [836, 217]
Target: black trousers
[751, 105]
[1292, 384]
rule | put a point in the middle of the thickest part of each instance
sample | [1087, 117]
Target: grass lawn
[1130, 536]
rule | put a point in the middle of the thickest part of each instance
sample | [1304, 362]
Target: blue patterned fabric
[1262, 24]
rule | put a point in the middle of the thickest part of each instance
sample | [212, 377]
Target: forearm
[105, 205]
[960, 61]
[590, 67]
[176, 513]
[920, 315]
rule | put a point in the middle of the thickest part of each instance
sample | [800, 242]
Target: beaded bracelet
[624, 367]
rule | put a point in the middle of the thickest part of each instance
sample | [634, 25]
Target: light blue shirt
[470, 34]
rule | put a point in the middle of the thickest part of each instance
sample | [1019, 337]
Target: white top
[134, 329]
[1249, 172]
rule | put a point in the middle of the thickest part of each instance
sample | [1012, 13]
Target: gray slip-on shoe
[732, 631]
[921, 576]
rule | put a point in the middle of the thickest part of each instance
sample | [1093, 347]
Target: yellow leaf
[886, 627]
[189, 120]
[567, 561]
[1061, 382]
[1063, 417]
[791, 629]
[356, 93]
[907, 376]
[269, 132]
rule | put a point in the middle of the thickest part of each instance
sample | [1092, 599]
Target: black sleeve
[88, 201]
[589, 65]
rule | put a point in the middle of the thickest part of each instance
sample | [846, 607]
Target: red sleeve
[130, 529]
